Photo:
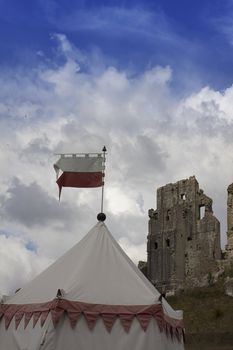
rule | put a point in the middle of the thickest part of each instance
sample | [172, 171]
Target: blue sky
[195, 37]
[152, 80]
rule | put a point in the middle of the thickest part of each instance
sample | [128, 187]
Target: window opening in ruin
[156, 245]
[168, 216]
[183, 196]
[201, 212]
[168, 242]
[189, 238]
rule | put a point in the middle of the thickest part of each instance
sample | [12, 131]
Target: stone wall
[229, 246]
[183, 243]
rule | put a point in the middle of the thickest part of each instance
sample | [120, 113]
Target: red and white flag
[86, 170]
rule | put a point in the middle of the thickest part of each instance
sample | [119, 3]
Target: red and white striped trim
[109, 313]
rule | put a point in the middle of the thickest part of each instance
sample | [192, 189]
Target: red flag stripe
[76, 179]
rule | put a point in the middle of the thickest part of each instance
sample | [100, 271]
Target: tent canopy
[94, 280]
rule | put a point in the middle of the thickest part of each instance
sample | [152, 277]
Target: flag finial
[101, 217]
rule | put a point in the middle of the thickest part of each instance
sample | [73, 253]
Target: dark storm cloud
[80, 138]
[128, 225]
[38, 146]
[31, 205]
[141, 157]
[210, 117]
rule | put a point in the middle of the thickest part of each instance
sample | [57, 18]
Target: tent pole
[102, 196]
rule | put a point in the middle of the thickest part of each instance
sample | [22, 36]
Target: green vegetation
[208, 315]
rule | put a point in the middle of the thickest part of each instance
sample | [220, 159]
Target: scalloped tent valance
[91, 312]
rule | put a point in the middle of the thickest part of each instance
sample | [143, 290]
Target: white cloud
[152, 136]
[136, 252]
[18, 264]
[119, 201]
[224, 23]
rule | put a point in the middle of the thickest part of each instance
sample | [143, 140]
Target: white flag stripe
[78, 154]
[80, 164]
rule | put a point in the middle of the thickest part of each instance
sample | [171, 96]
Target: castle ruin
[183, 242]
[229, 246]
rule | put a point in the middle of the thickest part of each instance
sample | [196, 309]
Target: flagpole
[102, 196]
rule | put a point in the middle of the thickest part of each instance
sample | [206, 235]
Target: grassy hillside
[208, 317]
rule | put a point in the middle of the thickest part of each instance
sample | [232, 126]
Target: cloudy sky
[151, 80]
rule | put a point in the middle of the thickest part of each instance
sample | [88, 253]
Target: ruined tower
[229, 246]
[183, 242]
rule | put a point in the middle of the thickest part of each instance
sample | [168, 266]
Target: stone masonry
[183, 242]
[229, 246]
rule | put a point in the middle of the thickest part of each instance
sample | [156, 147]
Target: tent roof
[95, 270]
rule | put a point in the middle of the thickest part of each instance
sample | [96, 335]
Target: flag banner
[86, 170]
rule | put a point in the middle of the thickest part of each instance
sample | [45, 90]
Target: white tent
[92, 298]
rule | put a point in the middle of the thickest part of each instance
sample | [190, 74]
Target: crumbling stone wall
[229, 246]
[183, 243]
